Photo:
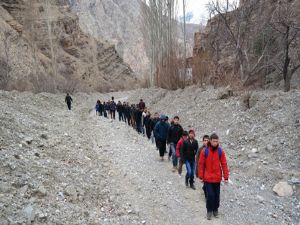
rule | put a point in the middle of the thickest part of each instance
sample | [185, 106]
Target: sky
[196, 11]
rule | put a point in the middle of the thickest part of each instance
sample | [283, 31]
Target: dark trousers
[148, 132]
[204, 190]
[162, 147]
[213, 196]
[101, 112]
[120, 116]
[139, 127]
[129, 120]
[69, 105]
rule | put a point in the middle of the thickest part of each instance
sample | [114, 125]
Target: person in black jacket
[69, 101]
[161, 133]
[101, 108]
[127, 113]
[120, 111]
[141, 105]
[189, 149]
[147, 123]
[138, 120]
[113, 107]
[174, 134]
[153, 122]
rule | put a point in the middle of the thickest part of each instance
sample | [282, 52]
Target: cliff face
[215, 51]
[118, 22]
[43, 48]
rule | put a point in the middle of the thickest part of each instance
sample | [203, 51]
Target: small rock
[28, 140]
[42, 192]
[37, 154]
[254, 150]
[294, 181]
[44, 136]
[42, 216]
[70, 191]
[17, 156]
[283, 189]
[29, 214]
[260, 199]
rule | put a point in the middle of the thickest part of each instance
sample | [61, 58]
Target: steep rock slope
[118, 22]
[44, 49]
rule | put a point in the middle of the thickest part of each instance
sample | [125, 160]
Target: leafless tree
[160, 34]
[286, 25]
[237, 23]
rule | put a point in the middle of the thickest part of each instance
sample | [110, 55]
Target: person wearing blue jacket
[161, 133]
[97, 107]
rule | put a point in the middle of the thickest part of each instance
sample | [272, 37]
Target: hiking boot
[186, 182]
[216, 214]
[209, 215]
[193, 187]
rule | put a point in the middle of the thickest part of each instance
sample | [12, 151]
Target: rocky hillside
[121, 23]
[255, 30]
[43, 48]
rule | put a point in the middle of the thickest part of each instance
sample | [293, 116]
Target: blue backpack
[219, 152]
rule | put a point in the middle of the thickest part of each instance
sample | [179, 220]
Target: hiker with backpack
[174, 134]
[160, 133]
[179, 156]
[189, 149]
[212, 166]
[205, 141]
[97, 107]
[113, 107]
[69, 101]
[154, 121]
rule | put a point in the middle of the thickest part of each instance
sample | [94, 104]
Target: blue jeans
[213, 196]
[173, 150]
[190, 169]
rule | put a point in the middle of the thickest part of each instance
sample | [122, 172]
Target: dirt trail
[155, 194]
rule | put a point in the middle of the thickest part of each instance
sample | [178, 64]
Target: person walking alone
[69, 101]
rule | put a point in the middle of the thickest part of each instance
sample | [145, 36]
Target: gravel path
[143, 182]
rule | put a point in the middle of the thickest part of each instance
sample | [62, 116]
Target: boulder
[283, 189]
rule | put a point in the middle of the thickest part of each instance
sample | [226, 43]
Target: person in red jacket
[178, 150]
[212, 166]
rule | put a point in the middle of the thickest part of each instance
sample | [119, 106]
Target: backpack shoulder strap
[220, 152]
[206, 152]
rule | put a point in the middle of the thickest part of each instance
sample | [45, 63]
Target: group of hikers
[207, 162]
